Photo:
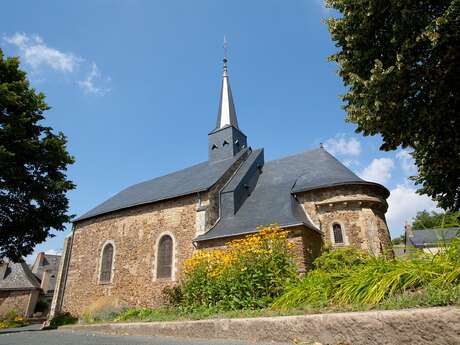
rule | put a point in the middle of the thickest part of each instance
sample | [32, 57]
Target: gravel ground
[32, 335]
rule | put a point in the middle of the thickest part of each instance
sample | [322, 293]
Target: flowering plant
[247, 273]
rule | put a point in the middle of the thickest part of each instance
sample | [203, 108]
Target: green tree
[400, 60]
[33, 161]
[432, 220]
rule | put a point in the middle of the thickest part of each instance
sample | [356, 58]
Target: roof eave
[285, 226]
[329, 185]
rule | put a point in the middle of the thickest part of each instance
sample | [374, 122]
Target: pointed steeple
[226, 140]
[227, 114]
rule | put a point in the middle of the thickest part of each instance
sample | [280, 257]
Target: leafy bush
[12, 320]
[336, 260]
[248, 274]
[63, 319]
[172, 295]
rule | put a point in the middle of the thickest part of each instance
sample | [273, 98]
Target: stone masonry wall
[360, 211]
[14, 300]
[134, 233]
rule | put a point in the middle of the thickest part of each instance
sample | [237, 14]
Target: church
[134, 244]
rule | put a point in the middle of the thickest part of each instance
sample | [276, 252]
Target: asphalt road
[32, 335]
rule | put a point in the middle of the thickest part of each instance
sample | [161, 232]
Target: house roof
[432, 237]
[48, 262]
[272, 199]
[17, 276]
[194, 179]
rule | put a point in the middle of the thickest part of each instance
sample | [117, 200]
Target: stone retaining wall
[430, 326]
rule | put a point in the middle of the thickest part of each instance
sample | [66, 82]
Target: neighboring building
[19, 289]
[45, 268]
[429, 240]
[21, 286]
[133, 245]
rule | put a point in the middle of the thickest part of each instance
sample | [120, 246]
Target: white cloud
[37, 54]
[342, 145]
[350, 163]
[379, 170]
[89, 83]
[53, 251]
[406, 162]
[404, 203]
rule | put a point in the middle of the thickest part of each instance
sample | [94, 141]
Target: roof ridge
[293, 155]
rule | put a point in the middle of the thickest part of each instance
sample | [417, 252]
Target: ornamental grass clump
[248, 274]
[347, 277]
[317, 288]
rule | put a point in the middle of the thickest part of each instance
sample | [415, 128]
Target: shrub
[336, 260]
[172, 296]
[248, 274]
[63, 319]
[12, 320]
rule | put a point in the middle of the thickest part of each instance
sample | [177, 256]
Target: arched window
[165, 257]
[338, 234]
[106, 264]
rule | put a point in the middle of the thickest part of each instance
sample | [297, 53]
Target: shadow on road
[29, 328]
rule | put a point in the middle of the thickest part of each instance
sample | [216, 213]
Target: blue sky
[134, 85]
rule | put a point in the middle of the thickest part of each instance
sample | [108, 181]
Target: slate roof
[194, 179]
[17, 276]
[321, 170]
[47, 262]
[272, 199]
[432, 237]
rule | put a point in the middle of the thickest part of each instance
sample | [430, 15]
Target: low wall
[430, 326]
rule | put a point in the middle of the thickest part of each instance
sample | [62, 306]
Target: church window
[225, 143]
[214, 147]
[338, 234]
[165, 257]
[106, 264]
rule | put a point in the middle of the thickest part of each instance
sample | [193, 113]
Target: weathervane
[225, 55]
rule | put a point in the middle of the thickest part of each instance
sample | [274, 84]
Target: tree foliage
[33, 162]
[433, 220]
[400, 60]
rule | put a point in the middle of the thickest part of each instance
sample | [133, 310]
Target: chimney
[45, 285]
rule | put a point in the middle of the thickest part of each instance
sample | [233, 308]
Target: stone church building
[134, 244]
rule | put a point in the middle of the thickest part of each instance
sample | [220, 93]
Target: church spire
[227, 114]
